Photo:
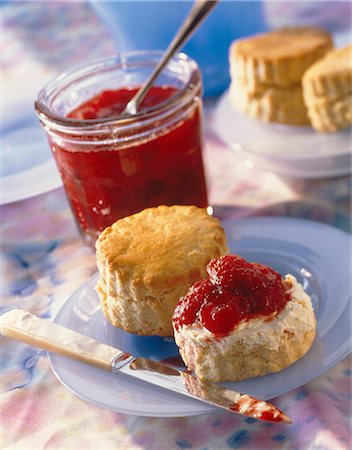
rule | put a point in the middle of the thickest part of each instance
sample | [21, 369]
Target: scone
[243, 321]
[147, 261]
[327, 91]
[266, 72]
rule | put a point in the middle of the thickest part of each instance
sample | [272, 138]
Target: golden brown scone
[327, 90]
[147, 261]
[279, 57]
[270, 104]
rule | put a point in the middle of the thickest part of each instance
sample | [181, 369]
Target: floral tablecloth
[43, 261]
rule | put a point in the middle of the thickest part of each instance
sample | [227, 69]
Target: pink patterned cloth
[43, 261]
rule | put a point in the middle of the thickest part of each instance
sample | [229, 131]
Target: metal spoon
[199, 11]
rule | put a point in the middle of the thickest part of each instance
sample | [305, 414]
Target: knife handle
[44, 334]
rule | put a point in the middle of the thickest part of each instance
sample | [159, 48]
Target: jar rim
[77, 72]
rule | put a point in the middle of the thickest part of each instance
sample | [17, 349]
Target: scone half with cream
[148, 260]
[243, 321]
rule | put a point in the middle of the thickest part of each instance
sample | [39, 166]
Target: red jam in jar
[236, 290]
[107, 184]
[113, 166]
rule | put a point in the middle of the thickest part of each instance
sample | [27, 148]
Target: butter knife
[42, 333]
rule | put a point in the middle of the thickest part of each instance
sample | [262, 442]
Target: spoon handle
[198, 13]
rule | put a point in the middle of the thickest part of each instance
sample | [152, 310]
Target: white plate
[318, 255]
[287, 150]
[27, 166]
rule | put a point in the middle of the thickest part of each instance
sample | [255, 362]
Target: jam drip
[236, 290]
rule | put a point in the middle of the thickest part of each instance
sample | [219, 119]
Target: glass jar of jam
[113, 166]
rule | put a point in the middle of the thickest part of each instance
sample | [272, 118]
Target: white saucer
[27, 165]
[320, 258]
[287, 150]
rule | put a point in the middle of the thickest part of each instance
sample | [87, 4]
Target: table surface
[43, 261]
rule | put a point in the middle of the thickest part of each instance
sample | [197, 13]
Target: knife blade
[42, 333]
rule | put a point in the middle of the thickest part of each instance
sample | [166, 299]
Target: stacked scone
[147, 261]
[266, 72]
[327, 88]
[243, 321]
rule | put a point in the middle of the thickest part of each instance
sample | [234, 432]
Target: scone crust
[147, 261]
[327, 91]
[149, 317]
[330, 77]
[159, 247]
[279, 57]
[331, 116]
[270, 104]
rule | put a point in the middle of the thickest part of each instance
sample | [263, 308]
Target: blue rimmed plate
[318, 255]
